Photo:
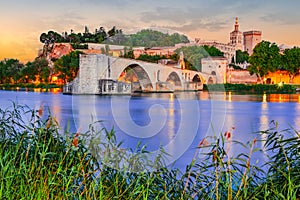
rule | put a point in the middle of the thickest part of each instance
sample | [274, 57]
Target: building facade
[216, 66]
[251, 39]
[227, 49]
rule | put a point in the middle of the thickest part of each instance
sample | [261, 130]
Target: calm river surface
[176, 121]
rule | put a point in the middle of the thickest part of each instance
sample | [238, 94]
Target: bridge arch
[197, 78]
[138, 76]
[174, 78]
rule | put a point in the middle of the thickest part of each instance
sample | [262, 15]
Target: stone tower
[236, 36]
[251, 39]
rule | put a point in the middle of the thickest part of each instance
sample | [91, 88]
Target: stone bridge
[102, 74]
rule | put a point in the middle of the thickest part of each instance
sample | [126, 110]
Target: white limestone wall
[87, 78]
[94, 67]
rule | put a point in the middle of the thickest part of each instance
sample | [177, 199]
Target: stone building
[251, 39]
[216, 66]
[227, 49]
[236, 36]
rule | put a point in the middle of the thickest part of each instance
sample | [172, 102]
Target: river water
[175, 121]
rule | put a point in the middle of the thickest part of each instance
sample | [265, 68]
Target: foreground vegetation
[39, 162]
[28, 86]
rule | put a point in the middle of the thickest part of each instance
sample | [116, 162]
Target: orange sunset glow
[23, 22]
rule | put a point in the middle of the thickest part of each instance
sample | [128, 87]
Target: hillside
[146, 38]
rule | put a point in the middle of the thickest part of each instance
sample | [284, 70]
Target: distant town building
[251, 39]
[238, 41]
[227, 49]
[216, 66]
[236, 36]
[283, 47]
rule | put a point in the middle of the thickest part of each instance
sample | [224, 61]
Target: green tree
[213, 51]
[150, 58]
[291, 62]
[241, 56]
[40, 65]
[150, 38]
[112, 32]
[29, 72]
[128, 53]
[265, 59]
[10, 70]
[194, 54]
[67, 66]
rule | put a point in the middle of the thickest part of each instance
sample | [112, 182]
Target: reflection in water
[171, 117]
[283, 97]
[56, 108]
[264, 98]
[85, 105]
[171, 120]
[264, 125]
[229, 97]
[247, 113]
[297, 116]
[264, 120]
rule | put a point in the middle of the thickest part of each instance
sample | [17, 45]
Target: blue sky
[23, 21]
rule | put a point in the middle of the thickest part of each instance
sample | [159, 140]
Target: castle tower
[251, 39]
[236, 36]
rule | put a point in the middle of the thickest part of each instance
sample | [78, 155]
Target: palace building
[251, 39]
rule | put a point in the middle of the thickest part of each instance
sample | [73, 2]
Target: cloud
[187, 19]
[63, 22]
[212, 26]
[173, 15]
[282, 18]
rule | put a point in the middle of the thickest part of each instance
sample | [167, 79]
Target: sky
[23, 21]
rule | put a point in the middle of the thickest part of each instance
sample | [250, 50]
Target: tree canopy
[97, 37]
[67, 66]
[10, 70]
[265, 59]
[194, 54]
[146, 38]
[241, 56]
[291, 62]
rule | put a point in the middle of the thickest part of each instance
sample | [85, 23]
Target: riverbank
[38, 162]
[31, 87]
[252, 88]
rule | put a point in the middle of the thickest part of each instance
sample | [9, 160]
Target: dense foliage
[241, 56]
[145, 38]
[255, 88]
[67, 66]
[265, 59]
[12, 71]
[194, 54]
[39, 70]
[291, 62]
[98, 37]
[150, 58]
[148, 38]
[41, 161]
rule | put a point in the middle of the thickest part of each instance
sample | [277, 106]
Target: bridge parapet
[100, 74]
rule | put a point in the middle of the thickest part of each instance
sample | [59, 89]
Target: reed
[39, 161]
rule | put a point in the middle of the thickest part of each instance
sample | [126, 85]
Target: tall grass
[38, 161]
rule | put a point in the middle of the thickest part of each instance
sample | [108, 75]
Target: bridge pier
[102, 74]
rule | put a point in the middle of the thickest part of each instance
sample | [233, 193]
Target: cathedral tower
[236, 36]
